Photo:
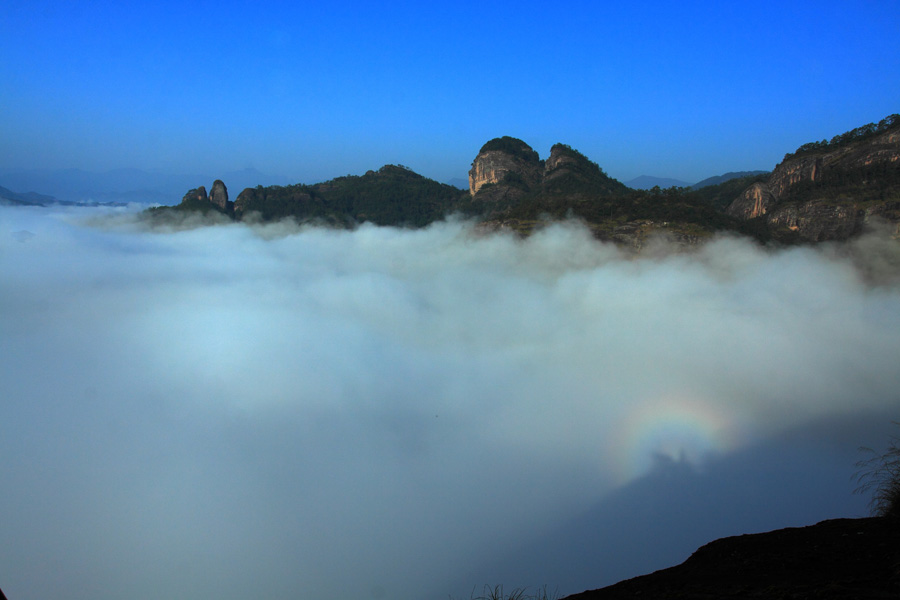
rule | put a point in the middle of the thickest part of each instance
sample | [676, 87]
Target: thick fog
[238, 411]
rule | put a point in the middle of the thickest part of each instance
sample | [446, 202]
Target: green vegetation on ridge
[512, 146]
[577, 175]
[858, 134]
[876, 182]
[393, 195]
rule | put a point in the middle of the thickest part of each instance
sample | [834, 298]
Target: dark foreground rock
[837, 559]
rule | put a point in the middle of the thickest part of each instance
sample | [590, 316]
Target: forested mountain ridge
[824, 190]
[392, 195]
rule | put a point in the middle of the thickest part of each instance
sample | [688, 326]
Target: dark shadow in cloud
[795, 478]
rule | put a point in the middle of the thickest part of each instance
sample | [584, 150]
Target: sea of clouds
[273, 411]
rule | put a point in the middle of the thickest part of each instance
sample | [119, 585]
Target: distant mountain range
[10, 198]
[26, 199]
[726, 177]
[459, 182]
[647, 182]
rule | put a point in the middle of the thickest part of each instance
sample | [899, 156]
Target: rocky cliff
[754, 202]
[197, 199]
[507, 171]
[509, 168]
[512, 189]
[195, 195]
[218, 195]
[883, 148]
[562, 160]
[830, 190]
[569, 172]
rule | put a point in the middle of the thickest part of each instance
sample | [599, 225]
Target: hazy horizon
[237, 410]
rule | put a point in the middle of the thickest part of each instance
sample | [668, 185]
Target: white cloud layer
[273, 412]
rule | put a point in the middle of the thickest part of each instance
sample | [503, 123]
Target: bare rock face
[884, 214]
[559, 159]
[196, 194]
[788, 173]
[754, 202]
[884, 148]
[218, 195]
[505, 161]
[820, 219]
[242, 201]
[218, 198]
[563, 162]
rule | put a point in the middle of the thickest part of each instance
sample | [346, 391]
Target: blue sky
[312, 91]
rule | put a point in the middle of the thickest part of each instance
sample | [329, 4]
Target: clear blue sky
[316, 90]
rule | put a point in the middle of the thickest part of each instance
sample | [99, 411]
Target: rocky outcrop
[819, 216]
[791, 172]
[754, 202]
[506, 161]
[819, 221]
[568, 172]
[197, 199]
[882, 149]
[562, 160]
[507, 170]
[195, 195]
[218, 195]
[884, 214]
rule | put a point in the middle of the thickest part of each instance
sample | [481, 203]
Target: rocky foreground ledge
[837, 559]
